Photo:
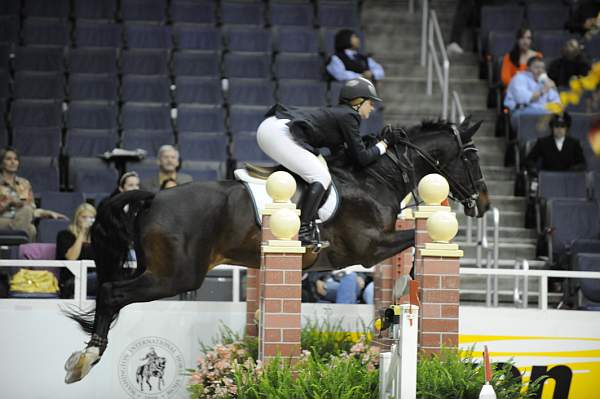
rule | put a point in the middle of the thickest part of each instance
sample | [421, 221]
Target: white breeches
[274, 138]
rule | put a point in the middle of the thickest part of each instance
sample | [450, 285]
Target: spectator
[571, 63]
[585, 18]
[17, 207]
[127, 182]
[467, 12]
[556, 152]
[347, 63]
[168, 162]
[168, 183]
[74, 243]
[516, 60]
[530, 91]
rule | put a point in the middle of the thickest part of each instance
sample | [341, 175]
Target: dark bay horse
[181, 233]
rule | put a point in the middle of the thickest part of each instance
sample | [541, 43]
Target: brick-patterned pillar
[437, 272]
[280, 275]
[252, 301]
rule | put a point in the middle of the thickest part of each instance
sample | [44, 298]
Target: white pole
[408, 352]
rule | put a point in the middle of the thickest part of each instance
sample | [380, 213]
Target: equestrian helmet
[561, 120]
[357, 88]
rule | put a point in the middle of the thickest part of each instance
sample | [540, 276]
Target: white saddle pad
[258, 192]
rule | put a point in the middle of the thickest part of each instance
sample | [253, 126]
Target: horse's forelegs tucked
[393, 243]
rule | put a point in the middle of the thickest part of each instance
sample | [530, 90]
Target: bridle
[466, 196]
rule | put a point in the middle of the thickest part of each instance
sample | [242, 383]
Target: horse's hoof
[79, 364]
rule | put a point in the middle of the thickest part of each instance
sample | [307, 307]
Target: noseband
[465, 196]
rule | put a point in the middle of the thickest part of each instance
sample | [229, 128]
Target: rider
[291, 136]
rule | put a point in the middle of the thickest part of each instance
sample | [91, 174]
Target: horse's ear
[468, 133]
[464, 125]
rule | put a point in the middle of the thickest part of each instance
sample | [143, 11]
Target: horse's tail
[112, 235]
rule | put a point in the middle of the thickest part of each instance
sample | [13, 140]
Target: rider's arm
[337, 69]
[363, 156]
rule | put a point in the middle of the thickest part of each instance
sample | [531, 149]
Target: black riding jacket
[335, 128]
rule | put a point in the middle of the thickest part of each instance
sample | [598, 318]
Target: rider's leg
[275, 139]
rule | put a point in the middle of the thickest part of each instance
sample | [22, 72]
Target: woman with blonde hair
[74, 242]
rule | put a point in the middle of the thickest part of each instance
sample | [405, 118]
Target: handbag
[34, 281]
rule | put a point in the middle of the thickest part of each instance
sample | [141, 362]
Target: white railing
[542, 275]
[424, 30]
[457, 115]
[435, 44]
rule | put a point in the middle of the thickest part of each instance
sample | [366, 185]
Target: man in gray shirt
[168, 162]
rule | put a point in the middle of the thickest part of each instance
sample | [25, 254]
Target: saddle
[254, 177]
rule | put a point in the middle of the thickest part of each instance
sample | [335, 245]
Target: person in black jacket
[556, 152]
[571, 63]
[291, 136]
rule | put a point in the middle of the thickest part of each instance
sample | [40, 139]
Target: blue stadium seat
[91, 115]
[286, 13]
[580, 125]
[197, 12]
[146, 116]
[248, 38]
[42, 32]
[551, 43]
[146, 168]
[89, 142]
[146, 89]
[144, 62]
[198, 90]
[86, 87]
[246, 119]
[144, 10]
[592, 48]
[203, 146]
[39, 85]
[42, 172]
[139, 36]
[91, 175]
[94, 9]
[337, 15]
[97, 34]
[93, 61]
[246, 65]
[5, 53]
[9, 29]
[39, 59]
[571, 219]
[149, 140]
[200, 118]
[36, 113]
[590, 288]
[46, 9]
[203, 170]
[48, 229]
[547, 16]
[299, 66]
[4, 86]
[499, 18]
[37, 141]
[500, 43]
[562, 185]
[532, 127]
[194, 37]
[63, 202]
[302, 93]
[296, 39]
[246, 149]
[333, 94]
[242, 13]
[251, 92]
[10, 7]
[196, 63]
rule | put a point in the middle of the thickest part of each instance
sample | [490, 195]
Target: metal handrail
[442, 70]
[424, 30]
[457, 115]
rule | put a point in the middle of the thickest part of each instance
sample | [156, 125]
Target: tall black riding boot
[308, 233]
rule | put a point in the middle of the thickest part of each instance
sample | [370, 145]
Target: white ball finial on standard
[284, 224]
[433, 189]
[281, 186]
[442, 226]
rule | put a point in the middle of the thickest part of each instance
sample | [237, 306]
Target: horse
[181, 233]
[154, 368]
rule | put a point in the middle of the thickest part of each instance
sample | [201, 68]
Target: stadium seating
[149, 140]
[251, 92]
[247, 65]
[299, 66]
[97, 34]
[245, 119]
[547, 16]
[91, 175]
[39, 59]
[147, 36]
[194, 37]
[200, 118]
[37, 141]
[42, 172]
[92, 87]
[92, 61]
[89, 142]
[242, 13]
[197, 12]
[291, 13]
[246, 149]
[91, 115]
[39, 86]
[296, 39]
[198, 90]
[499, 18]
[302, 93]
[49, 228]
[144, 10]
[46, 9]
[146, 116]
[203, 170]
[590, 288]
[248, 38]
[203, 146]
[44, 32]
[62, 202]
[196, 63]
[337, 15]
[93, 9]
[9, 29]
[36, 113]
[144, 62]
[146, 89]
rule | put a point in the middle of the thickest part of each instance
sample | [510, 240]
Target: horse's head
[449, 150]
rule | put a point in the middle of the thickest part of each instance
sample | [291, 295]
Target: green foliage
[325, 339]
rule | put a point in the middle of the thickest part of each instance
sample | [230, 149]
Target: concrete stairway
[394, 36]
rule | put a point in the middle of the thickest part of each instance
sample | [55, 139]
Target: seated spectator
[585, 18]
[169, 183]
[347, 63]
[516, 60]
[168, 162]
[556, 152]
[530, 91]
[74, 244]
[17, 207]
[571, 63]
[127, 182]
